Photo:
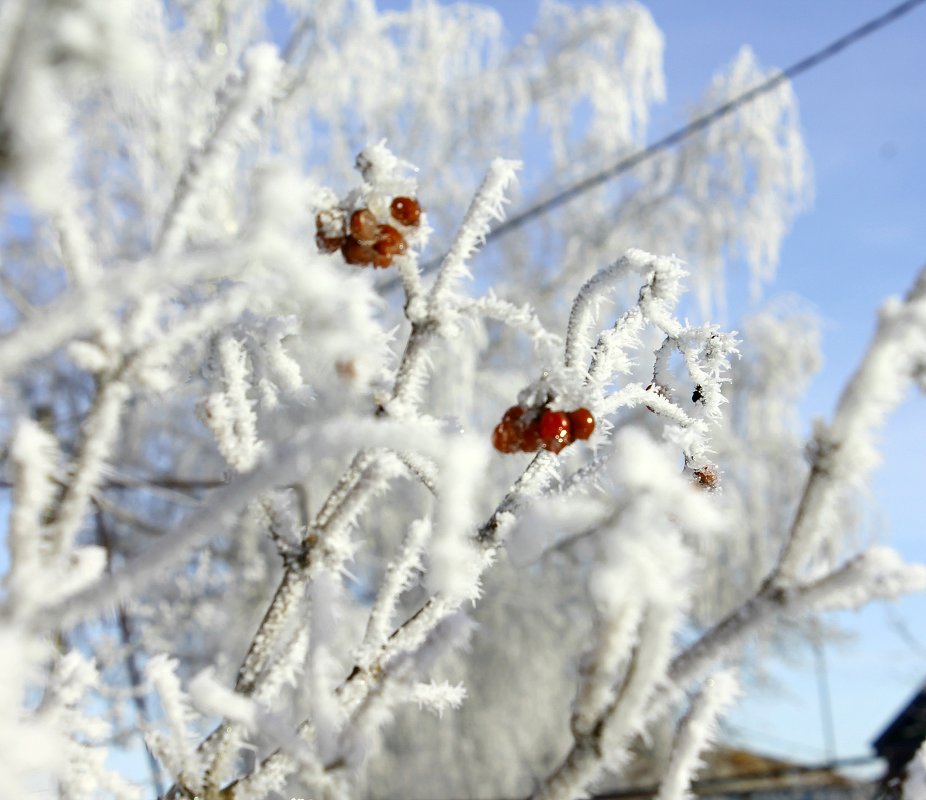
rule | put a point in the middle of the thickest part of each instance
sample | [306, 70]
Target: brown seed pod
[406, 210]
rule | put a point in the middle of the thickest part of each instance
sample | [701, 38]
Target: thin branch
[139, 694]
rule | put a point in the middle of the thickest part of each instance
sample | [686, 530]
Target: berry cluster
[363, 239]
[526, 430]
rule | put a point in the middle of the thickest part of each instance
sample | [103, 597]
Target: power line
[696, 125]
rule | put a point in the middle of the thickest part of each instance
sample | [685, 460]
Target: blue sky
[863, 116]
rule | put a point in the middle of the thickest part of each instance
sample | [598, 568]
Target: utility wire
[695, 126]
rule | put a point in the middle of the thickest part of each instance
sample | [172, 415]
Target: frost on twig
[229, 413]
[844, 451]
[175, 748]
[696, 731]
[246, 96]
[437, 312]
[397, 579]
[486, 206]
[34, 456]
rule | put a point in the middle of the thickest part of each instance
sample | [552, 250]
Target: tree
[255, 510]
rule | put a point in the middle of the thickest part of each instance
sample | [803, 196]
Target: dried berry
[582, 423]
[356, 252]
[346, 369]
[406, 210]
[696, 395]
[329, 227]
[706, 478]
[363, 226]
[389, 242]
[328, 244]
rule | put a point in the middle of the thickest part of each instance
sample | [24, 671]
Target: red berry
[355, 252]
[363, 226]
[552, 424]
[389, 241]
[583, 423]
[530, 437]
[558, 442]
[513, 414]
[505, 438]
[406, 210]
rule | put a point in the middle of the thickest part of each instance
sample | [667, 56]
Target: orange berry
[505, 438]
[389, 241]
[356, 252]
[530, 437]
[558, 442]
[582, 422]
[406, 210]
[363, 226]
[553, 424]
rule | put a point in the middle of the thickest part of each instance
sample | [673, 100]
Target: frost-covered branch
[844, 451]
[695, 732]
[246, 96]
[487, 205]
